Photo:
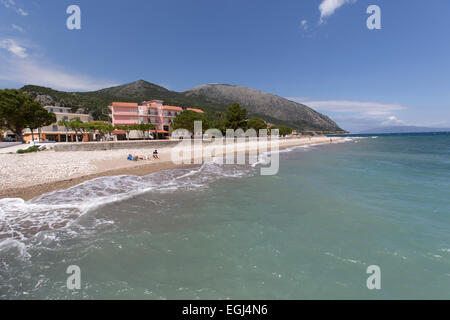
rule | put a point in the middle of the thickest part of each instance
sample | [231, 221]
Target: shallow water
[222, 231]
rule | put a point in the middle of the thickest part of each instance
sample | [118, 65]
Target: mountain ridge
[258, 102]
[403, 129]
[210, 97]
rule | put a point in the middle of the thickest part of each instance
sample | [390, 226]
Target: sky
[317, 52]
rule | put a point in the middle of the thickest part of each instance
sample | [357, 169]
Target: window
[55, 127]
[52, 137]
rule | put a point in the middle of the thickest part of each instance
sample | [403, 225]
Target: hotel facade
[154, 112]
[56, 133]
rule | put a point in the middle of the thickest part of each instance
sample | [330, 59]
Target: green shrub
[28, 150]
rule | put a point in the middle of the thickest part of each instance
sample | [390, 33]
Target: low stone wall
[8, 144]
[115, 145]
[137, 144]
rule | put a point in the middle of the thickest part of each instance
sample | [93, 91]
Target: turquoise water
[220, 232]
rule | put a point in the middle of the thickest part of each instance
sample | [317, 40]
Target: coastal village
[76, 147]
[126, 121]
[148, 120]
[122, 115]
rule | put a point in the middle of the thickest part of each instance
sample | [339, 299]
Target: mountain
[211, 98]
[403, 129]
[264, 104]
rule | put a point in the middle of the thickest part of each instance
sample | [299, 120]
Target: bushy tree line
[19, 111]
[103, 128]
[234, 118]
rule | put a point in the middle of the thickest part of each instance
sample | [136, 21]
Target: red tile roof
[172, 108]
[160, 131]
[196, 110]
[124, 104]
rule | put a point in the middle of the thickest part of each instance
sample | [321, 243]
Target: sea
[316, 230]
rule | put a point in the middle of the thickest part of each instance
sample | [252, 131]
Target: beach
[216, 231]
[29, 175]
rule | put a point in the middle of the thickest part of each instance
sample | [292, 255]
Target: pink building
[124, 113]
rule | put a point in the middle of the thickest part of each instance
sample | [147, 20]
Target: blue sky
[318, 52]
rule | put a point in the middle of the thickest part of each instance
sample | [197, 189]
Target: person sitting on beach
[130, 157]
[155, 154]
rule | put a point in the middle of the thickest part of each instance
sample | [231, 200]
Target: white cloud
[13, 47]
[11, 4]
[33, 72]
[22, 12]
[328, 7]
[304, 24]
[346, 106]
[20, 67]
[392, 120]
[6, 3]
[356, 115]
[16, 27]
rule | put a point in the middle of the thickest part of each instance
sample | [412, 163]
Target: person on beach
[130, 157]
[155, 154]
[144, 158]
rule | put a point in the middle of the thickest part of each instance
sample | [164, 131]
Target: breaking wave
[21, 220]
[37, 218]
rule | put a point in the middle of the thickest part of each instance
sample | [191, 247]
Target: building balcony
[125, 122]
[122, 113]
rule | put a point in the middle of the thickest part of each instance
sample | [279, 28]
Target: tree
[236, 117]
[19, 110]
[64, 123]
[218, 121]
[109, 128]
[39, 117]
[145, 127]
[256, 124]
[127, 129]
[102, 128]
[283, 130]
[185, 120]
[76, 125]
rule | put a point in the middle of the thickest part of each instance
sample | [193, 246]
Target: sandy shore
[29, 175]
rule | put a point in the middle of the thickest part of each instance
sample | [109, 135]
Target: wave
[21, 220]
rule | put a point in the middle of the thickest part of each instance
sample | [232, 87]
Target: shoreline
[115, 166]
